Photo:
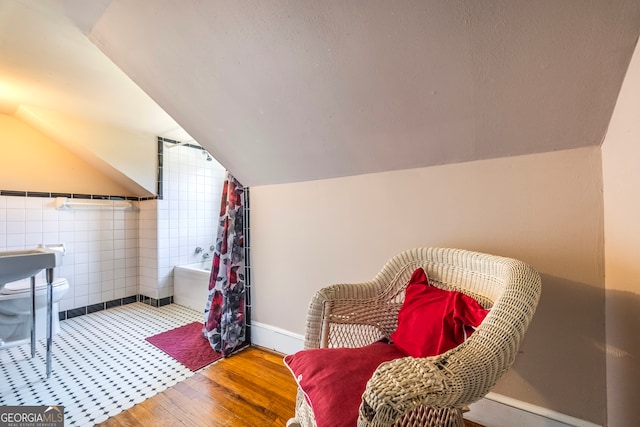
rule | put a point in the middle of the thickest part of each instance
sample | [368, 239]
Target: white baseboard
[275, 338]
[495, 410]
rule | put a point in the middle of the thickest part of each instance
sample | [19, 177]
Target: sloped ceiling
[300, 90]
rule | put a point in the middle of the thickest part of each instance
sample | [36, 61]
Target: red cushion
[432, 321]
[334, 379]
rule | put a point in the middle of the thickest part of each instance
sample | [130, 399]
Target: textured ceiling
[299, 90]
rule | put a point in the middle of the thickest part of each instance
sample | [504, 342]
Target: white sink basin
[16, 265]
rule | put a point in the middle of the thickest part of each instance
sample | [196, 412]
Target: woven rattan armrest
[399, 386]
[332, 299]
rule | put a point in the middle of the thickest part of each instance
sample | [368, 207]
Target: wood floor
[253, 388]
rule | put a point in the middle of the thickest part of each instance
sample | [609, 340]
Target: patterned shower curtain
[224, 314]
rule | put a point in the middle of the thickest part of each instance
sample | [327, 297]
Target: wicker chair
[428, 391]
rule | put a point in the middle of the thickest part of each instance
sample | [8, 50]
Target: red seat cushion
[334, 379]
[432, 321]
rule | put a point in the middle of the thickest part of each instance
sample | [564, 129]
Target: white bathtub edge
[192, 267]
[191, 286]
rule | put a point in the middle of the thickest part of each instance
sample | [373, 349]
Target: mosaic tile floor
[101, 366]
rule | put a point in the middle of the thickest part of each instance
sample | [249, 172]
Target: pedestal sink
[16, 265]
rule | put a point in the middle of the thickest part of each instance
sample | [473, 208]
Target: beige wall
[125, 156]
[545, 209]
[620, 155]
[29, 161]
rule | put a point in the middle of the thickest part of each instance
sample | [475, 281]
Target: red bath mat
[187, 345]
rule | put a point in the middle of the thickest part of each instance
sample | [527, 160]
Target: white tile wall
[148, 248]
[97, 243]
[187, 215]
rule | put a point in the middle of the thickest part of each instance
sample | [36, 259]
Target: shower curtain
[224, 314]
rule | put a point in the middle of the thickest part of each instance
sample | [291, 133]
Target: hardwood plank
[126, 420]
[268, 389]
[111, 422]
[257, 383]
[162, 408]
[140, 416]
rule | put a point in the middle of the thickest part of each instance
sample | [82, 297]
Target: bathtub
[191, 284]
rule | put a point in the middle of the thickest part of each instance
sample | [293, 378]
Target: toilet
[15, 311]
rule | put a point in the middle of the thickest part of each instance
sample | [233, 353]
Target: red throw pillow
[334, 379]
[432, 321]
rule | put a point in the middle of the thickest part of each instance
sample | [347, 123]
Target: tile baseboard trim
[155, 302]
[81, 311]
[46, 194]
